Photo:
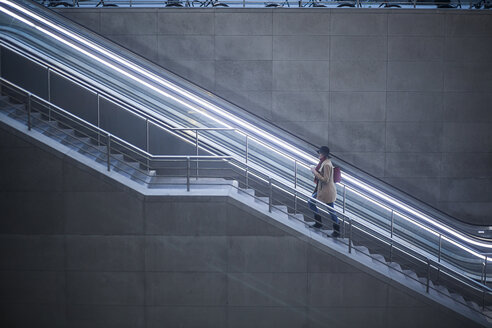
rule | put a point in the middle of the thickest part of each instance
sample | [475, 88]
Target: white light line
[414, 212]
[209, 106]
[165, 83]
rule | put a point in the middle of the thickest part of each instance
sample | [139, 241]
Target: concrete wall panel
[253, 23]
[301, 76]
[23, 176]
[186, 253]
[321, 283]
[414, 107]
[415, 76]
[347, 317]
[105, 288]
[356, 136]
[469, 107]
[27, 252]
[267, 289]
[195, 218]
[32, 212]
[357, 75]
[40, 287]
[189, 47]
[468, 25]
[357, 106]
[466, 190]
[301, 23]
[105, 316]
[260, 254]
[301, 47]
[144, 22]
[468, 49]
[181, 316]
[243, 48]
[467, 137]
[413, 137]
[412, 165]
[358, 48]
[266, 317]
[185, 288]
[300, 106]
[39, 315]
[243, 75]
[423, 24]
[176, 23]
[103, 213]
[415, 48]
[355, 24]
[105, 253]
[467, 77]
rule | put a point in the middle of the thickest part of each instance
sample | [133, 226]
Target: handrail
[155, 121]
[478, 286]
[159, 122]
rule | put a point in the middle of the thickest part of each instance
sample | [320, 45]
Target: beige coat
[327, 190]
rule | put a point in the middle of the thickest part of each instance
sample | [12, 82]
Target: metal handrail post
[439, 256]
[358, 3]
[350, 236]
[108, 150]
[392, 222]
[270, 192]
[428, 275]
[344, 198]
[187, 174]
[484, 281]
[196, 136]
[391, 252]
[29, 105]
[247, 158]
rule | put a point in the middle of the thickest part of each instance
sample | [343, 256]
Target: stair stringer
[259, 210]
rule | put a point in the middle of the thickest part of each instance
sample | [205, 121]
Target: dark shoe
[317, 225]
[335, 234]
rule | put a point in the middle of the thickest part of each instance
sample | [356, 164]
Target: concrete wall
[402, 94]
[80, 250]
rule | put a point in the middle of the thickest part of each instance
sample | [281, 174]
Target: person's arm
[325, 177]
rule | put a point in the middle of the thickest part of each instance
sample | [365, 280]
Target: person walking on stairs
[326, 190]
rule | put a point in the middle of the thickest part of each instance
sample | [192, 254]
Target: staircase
[435, 283]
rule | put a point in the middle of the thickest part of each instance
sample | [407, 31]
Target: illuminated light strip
[414, 212]
[165, 83]
[119, 70]
[466, 249]
[169, 85]
[206, 104]
[418, 224]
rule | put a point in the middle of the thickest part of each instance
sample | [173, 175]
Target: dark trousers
[317, 217]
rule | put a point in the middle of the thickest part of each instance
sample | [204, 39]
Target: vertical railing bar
[29, 108]
[350, 236]
[270, 195]
[247, 158]
[295, 174]
[392, 222]
[147, 136]
[196, 136]
[49, 94]
[428, 275]
[98, 119]
[439, 256]
[344, 199]
[108, 150]
[187, 174]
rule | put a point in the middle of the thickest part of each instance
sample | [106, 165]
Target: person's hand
[313, 169]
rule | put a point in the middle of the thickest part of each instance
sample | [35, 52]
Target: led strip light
[218, 111]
